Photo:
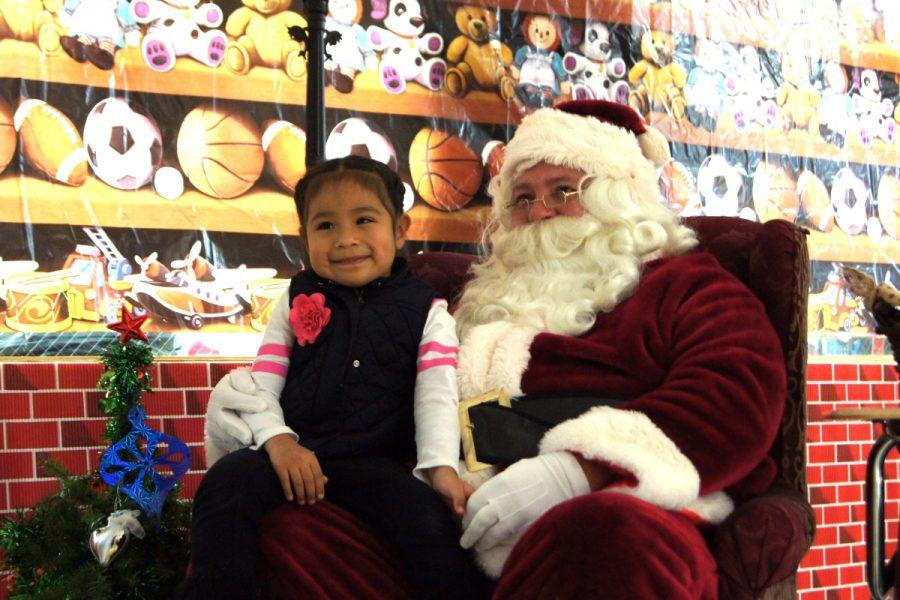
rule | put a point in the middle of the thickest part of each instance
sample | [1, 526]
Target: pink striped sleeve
[437, 347]
[269, 366]
[436, 362]
[282, 350]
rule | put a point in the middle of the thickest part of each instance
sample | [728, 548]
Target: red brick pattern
[51, 409]
[836, 471]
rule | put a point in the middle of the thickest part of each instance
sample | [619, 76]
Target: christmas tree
[116, 532]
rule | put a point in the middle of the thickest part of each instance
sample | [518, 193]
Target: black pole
[315, 80]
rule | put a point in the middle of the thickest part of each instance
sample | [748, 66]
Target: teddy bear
[751, 92]
[32, 21]
[888, 29]
[857, 19]
[658, 82]
[351, 54]
[476, 58]
[95, 29]
[704, 91]
[836, 106]
[798, 99]
[259, 34]
[594, 71]
[537, 67]
[175, 30]
[874, 114]
[404, 46]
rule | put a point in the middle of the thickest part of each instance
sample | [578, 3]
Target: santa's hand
[504, 507]
[225, 430]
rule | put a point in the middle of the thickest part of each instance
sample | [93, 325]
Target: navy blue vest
[350, 392]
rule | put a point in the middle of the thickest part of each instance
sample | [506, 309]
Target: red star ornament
[129, 326]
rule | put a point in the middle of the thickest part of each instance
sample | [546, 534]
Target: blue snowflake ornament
[145, 472]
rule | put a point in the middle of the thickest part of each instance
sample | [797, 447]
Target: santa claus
[590, 288]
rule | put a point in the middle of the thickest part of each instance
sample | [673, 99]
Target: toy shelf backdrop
[148, 148]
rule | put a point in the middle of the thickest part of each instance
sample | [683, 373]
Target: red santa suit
[701, 368]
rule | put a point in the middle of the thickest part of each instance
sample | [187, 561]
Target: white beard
[554, 276]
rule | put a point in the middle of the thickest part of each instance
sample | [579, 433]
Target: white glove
[502, 509]
[225, 430]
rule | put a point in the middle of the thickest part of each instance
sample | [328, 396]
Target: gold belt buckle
[467, 429]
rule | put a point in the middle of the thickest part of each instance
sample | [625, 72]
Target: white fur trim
[577, 142]
[655, 147]
[712, 508]
[494, 356]
[492, 560]
[630, 441]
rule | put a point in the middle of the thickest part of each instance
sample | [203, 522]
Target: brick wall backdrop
[51, 408]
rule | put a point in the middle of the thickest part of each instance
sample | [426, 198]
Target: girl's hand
[452, 489]
[297, 468]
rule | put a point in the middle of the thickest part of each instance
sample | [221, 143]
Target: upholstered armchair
[758, 548]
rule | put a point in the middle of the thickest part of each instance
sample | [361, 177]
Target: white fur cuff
[630, 441]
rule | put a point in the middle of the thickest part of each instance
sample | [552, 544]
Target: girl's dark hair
[365, 172]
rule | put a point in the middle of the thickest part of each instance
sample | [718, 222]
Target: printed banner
[149, 149]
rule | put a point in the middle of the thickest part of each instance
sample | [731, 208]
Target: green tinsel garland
[46, 547]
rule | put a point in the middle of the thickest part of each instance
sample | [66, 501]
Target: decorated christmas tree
[120, 531]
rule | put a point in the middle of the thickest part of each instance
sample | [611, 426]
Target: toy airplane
[193, 291]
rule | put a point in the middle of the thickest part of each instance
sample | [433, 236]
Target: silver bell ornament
[108, 541]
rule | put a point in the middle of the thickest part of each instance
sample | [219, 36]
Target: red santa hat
[601, 138]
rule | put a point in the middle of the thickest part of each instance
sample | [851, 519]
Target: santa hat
[601, 138]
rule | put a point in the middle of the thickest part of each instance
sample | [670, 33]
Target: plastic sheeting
[147, 152]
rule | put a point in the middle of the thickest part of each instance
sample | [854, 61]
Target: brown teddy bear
[798, 100]
[259, 31]
[658, 82]
[32, 21]
[476, 60]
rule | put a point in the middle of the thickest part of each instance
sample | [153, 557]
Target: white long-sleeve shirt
[436, 397]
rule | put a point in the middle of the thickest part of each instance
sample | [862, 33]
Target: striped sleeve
[269, 371]
[436, 393]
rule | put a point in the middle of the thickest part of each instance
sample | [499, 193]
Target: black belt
[499, 430]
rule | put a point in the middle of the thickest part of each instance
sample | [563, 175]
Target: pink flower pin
[309, 316]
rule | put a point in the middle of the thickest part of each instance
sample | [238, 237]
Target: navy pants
[381, 492]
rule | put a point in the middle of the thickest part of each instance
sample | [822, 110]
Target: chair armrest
[762, 542]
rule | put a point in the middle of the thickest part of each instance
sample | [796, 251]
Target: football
[123, 143]
[285, 147]
[50, 142]
[7, 134]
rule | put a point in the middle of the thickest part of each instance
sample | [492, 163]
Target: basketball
[492, 157]
[444, 171]
[889, 204]
[774, 193]
[220, 150]
[7, 134]
[815, 202]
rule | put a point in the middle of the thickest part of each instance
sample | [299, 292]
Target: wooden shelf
[190, 78]
[263, 210]
[837, 246]
[661, 16]
[792, 143]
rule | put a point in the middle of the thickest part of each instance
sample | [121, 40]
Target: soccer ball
[359, 137]
[123, 144]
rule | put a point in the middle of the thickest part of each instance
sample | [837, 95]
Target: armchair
[757, 549]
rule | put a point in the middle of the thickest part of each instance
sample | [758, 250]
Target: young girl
[357, 367]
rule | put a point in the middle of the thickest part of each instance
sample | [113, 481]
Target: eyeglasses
[555, 200]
